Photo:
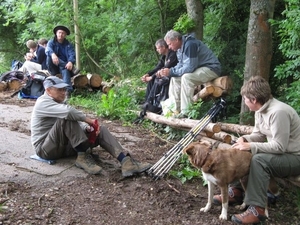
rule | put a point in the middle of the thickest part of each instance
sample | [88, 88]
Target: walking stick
[164, 164]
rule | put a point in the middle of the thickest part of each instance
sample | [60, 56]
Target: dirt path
[34, 192]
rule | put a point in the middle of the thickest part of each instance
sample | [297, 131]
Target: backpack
[34, 87]
[158, 93]
[12, 75]
[15, 65]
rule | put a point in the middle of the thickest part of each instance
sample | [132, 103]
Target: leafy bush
[185, 172]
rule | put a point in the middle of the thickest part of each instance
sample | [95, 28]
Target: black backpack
[34, 86]
[158, 93]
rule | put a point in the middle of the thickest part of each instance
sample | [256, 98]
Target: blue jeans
[60, 69]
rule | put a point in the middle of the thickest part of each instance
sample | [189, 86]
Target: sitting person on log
[59, 130]
[197, 65]
[274, 144]
[168, 59]
[61, 56]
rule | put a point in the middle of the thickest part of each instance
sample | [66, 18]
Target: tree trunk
[76, 33]
[163, 16]
[259, 45]
[195, 12]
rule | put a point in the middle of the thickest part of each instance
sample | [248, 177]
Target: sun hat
[60, 27]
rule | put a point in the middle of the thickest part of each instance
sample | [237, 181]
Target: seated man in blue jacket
[61, 55]
[197, 64]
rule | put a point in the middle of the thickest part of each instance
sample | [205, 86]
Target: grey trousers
[65, 135]
[182, 88]
[263, 167]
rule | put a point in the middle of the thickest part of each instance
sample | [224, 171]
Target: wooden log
[213, 142]
[236, 128]
[224, 82]
[105, 89]
[14, 85]
[181, 123]
[205, 92]
[215, 88]
[217, 92]
[94, 80]
[80, 81]
[3, 86]
[207, 133]
[222, 136]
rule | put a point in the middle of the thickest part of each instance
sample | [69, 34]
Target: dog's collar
[205, 159]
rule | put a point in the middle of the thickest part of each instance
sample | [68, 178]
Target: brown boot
[86, 162]
[235, 197]
[131, 166]
[254, 214]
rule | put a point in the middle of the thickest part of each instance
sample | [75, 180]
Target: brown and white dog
[219, 167]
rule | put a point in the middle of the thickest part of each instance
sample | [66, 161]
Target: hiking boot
[87, 163]
[75, 71]
[254, 214]
[131, 166]
[235, 197]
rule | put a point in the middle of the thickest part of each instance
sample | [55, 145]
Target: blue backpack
[34, 86]
[15, 65]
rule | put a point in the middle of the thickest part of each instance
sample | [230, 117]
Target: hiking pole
[177, 147]
[191, 134]
[164, 164]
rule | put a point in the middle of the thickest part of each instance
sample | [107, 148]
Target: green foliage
[116, 105]
[288, 30]
[292, 96]
[184, 170]
[119, 103]
[298, 197]
[194, 110]
[184, 24]
[174, 134]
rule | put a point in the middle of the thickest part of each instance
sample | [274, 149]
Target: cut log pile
[215, 88]
[12, 85]
[91, 81]
[222, 135]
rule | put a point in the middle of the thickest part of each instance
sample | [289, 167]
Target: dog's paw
[206, 208]
[223, 216]
[241, 207]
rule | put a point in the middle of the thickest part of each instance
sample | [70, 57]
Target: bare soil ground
[33, 192]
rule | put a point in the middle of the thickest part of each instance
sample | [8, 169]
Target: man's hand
[69, 66]
[242, 145]
[165, 72]
[55, 59]
[146, 78]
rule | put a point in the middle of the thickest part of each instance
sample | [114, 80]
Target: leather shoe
[253, 215]
[235, 197]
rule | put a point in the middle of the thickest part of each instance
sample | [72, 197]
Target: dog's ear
[189, 150]
[197, 154]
